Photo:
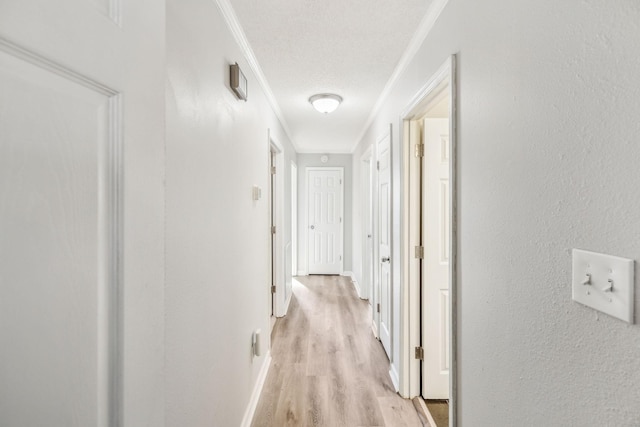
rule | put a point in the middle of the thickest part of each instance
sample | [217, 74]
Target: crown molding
[425, 27]
[238, 34]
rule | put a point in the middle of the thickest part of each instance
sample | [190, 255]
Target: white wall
[217, 149]
[548, 161]
[313, 160]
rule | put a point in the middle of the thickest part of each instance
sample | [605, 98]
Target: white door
[324, 192]
[274, 251]
[367, 233]
[81, 88]
[384, 241]
[435, 271]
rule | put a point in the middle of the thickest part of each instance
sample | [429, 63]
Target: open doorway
[280, 261]
[429, 137]
[273, 201]
[294, 219]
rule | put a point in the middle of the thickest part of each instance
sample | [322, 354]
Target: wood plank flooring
[327, 368]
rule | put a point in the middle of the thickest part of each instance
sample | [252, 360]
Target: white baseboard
[302, 273]
[395, 378]
[286, 305]
[257, 390]
[374, 329]
[356, 285]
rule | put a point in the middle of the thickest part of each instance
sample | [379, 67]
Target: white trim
[294, 217]
[238, 34]
[425, 27]
[279, 209]
[286, 304]
[395, 379]
[356, 285]
[302, 273]
[444, 78]
[366, 226]
[441, 75]
[427, 413]
[324, 151]
[257, 390]
[351, 275]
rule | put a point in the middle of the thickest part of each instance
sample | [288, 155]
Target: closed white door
[324, 192]
[384, 241]
[435, 270]
[367, 233]
[274, 252]
[81, 83]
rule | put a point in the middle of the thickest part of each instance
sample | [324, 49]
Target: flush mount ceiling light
[325, 102]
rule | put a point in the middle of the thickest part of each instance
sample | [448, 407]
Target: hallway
[327, 368]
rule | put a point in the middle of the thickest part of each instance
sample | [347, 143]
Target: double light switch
[604, 283]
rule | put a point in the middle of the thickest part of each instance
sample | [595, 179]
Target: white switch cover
[257, 193]
[604, 282]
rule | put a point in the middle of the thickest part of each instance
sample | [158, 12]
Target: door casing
[280, 303]
[443, 79]
[366, 232]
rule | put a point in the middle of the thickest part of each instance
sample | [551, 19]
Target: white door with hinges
[384, 241]
[325, 220]
[82, 87]
[435, 267]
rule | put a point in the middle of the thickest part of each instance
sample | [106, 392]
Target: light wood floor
[327, 368]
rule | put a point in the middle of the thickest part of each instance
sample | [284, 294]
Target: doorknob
[385, 259]
[313, 227]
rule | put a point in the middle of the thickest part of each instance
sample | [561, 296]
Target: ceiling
[347, 47]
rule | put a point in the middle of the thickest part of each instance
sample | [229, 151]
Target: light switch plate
[257, 193]
[592, 273]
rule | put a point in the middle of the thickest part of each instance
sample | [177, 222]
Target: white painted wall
[548, 161]
[217, 237]
[313, 160]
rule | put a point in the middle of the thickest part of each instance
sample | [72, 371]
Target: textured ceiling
[347, 47]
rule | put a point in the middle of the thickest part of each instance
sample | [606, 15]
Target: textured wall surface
[548, 161]
[217, 149]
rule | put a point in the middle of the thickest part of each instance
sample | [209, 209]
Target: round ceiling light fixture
[325, 102]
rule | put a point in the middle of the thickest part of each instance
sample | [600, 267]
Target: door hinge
[273, 289]
[273, 229]
[419, 353]
[378, 307]
[378, 165]
[419, 252]
[273, 170]
[419, 150]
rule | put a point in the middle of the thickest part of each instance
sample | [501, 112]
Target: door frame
[443, 79]
[294, 218]
[306, 211]
[393, 286]
[278, 264]
[366, 207]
